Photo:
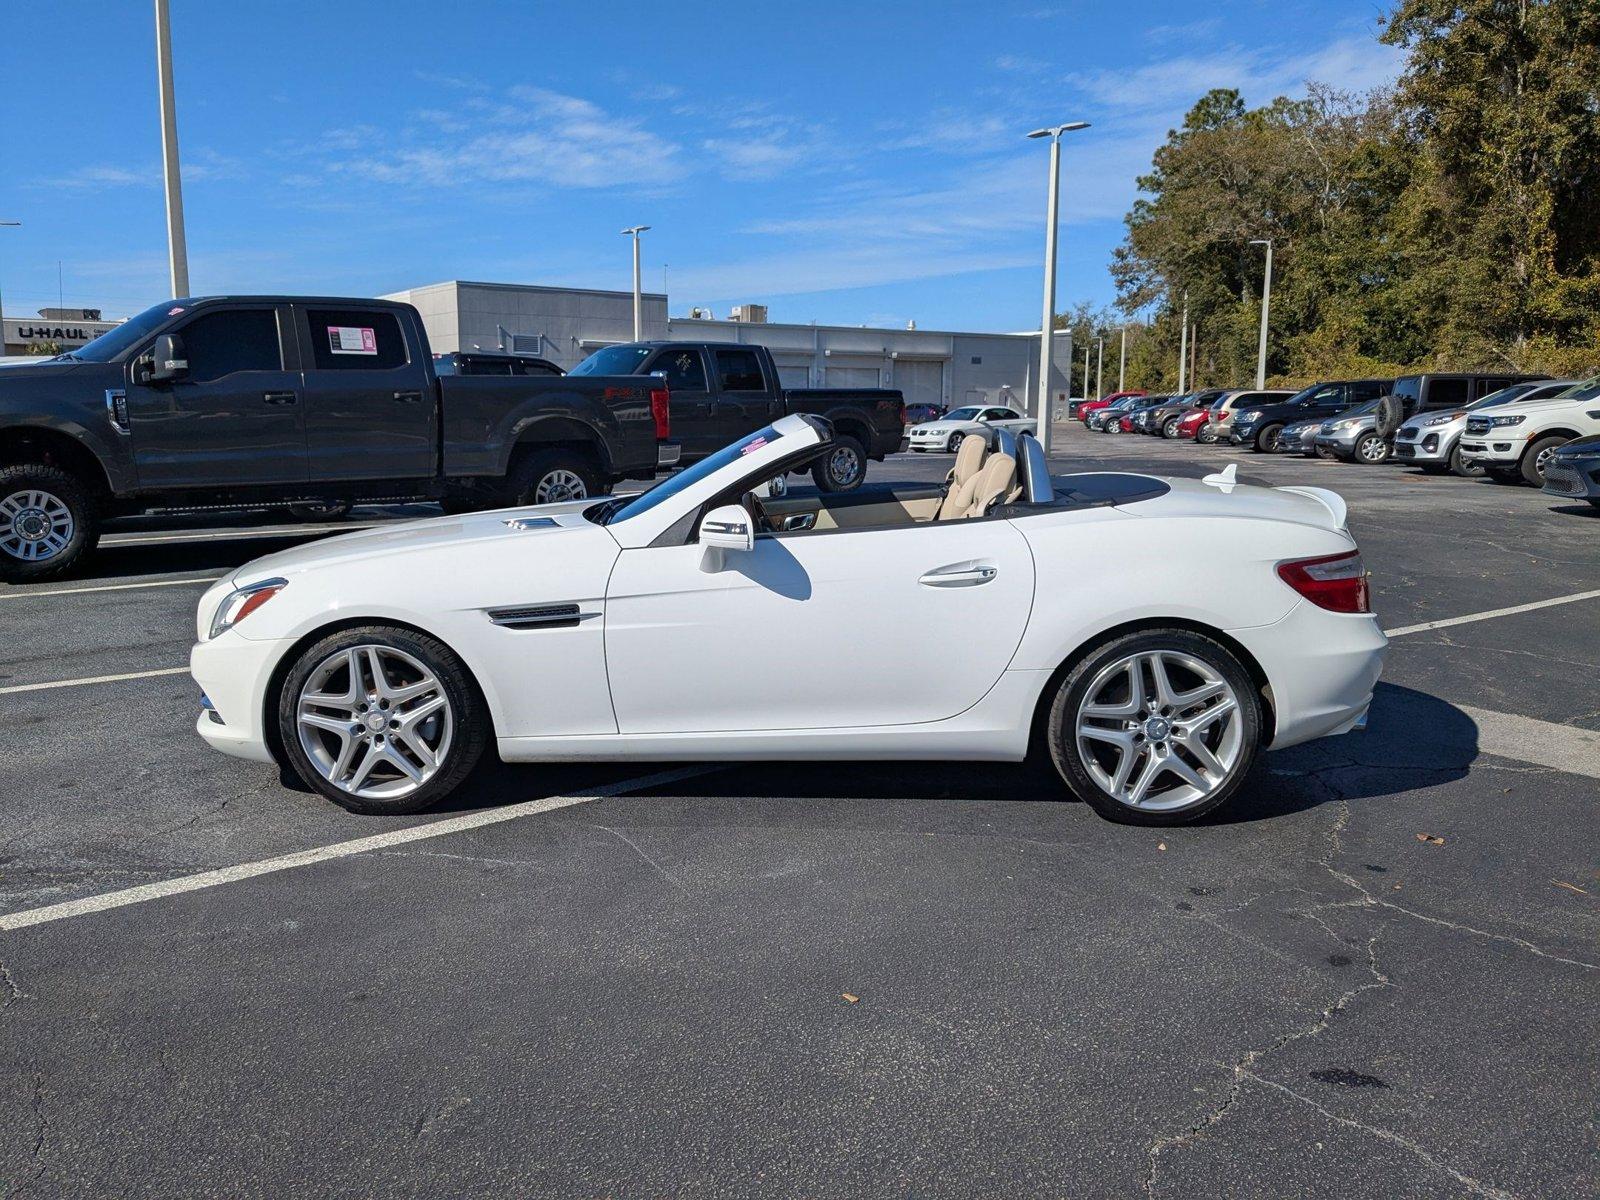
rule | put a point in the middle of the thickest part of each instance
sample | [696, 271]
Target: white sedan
[1148, 635]
[945, 435]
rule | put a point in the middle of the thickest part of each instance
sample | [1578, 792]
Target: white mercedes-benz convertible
[1148, 635]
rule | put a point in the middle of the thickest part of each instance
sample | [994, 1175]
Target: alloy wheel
[35, 525]
[374, 721]
[559, 485]
[1372, 449]
[843, 466]
[1159, 730]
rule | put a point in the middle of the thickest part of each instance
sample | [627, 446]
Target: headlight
[1500, 422]
[241, 602]
[1247, 416]
[1442, 419]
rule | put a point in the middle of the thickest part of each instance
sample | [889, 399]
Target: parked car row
[1512, 428]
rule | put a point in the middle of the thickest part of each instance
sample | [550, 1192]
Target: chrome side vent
[530, 522]
[543, 616]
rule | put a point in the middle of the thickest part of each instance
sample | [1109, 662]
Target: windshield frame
[121, 339]
[611, 512]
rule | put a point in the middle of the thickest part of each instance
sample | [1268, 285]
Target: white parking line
[306, 858]
[1492, 613]
[1544, 743]
[63, 683]
[30, 594]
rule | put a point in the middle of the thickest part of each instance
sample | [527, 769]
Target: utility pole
[1086, 394]
[638, 286]
[1194, 352]
[1099, 367]
[1122, 360]
[1047, 323]
[177, 245]
[1183, 349]
[1266, 306]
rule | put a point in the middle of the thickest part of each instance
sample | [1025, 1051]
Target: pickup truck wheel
[381, 719]
[554, 476]
[843, 468]
[1539, 456]
[47, 522]
[328, 510]
[1267, 439]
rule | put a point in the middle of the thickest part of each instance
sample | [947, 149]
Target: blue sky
[841, 162]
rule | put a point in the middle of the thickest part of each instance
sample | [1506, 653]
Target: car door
[816, 630]
[689, 387]
[235, 418]
[369, 405]
[1007, 418]
[744, 399]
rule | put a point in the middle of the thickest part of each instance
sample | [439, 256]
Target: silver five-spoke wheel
[34, 525]
[1159, 730]
[374, 721]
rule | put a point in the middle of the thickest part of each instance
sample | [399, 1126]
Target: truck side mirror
[170, 362]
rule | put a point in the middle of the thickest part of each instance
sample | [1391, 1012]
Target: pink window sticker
[172, 312]
[754, 445]
[352, 339]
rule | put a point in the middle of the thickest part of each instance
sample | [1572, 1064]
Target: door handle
[963, 576]
[408, 397]
[280, 398]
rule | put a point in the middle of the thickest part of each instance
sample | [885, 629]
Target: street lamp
[1266, 305]
[1047, 324]
[177, 244]
[638, 295]
[1183, 348]
[12, 225]
[1099, 367]
[1122, 360]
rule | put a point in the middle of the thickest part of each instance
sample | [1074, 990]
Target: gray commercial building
[566, 325]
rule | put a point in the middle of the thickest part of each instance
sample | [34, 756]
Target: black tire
[320, 510]
[23, 530]
[1072, 694]
[1371, 449]
[1506, 475]
[1536, 457]
[1169, 428]
[1113, 426]
[1464, 469]
[469, 713]
[954, 444]
[1267, 440]
[552, 476]
[1206, 435]
[843, 468]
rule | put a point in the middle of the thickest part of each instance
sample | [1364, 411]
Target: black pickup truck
[721, 391]
[306, 402]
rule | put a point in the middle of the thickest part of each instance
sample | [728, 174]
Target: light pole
[1183, 349]
[1086, 394]
[177, 246]
[12, 225]
[1099, 367]
[1047, 324]
[1122, 360]
[1266, 306]
[638, 294]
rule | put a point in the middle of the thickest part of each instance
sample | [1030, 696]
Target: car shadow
[1592, 511]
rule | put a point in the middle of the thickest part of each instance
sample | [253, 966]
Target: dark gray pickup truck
[723, 390]
[308, 402]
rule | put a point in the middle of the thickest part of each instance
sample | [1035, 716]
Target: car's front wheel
[1267, 439]
[1539, 456]
[1467, 470]
[1372, 448]
[1157, 727]
[381, 719]
[1206, 435]
[1170, 430]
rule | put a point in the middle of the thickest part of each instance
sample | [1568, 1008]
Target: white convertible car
[1148, 635]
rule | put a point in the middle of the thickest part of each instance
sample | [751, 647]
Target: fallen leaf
[1433, 839]
[1395, 888]
[1161, 845]
[848, 998]
[1571, 887]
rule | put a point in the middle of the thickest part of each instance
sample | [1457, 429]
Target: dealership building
[67, 328]
[566, 325]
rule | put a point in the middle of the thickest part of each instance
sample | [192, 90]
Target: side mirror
[729, 528]
[171, 361]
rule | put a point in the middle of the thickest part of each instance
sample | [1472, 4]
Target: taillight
[661, 410]
[1336, 582]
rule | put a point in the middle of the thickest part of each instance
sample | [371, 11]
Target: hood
[413, 537]
[38, 368]
[1317, 507]
[1554, 405]
[943, 424]
[1583, 445]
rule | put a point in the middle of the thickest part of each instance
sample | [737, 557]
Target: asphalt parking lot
[1376, 972]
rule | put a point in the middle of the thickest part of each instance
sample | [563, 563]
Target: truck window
[739, 371]
[355, 340]
[683, 368]
[1448, 393]
[536, 367]
[1368, 389]
[240, 339]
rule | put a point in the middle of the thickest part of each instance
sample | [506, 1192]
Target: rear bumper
[668, 454]
[1321, 668]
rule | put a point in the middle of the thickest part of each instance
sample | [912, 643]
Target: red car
[1189, 424]
[1089, 406]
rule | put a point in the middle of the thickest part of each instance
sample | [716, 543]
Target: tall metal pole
[638, 286]
[1122, 361]
[1047, 322]
[177, 245]
[1266, 307]
[13, 225]
[1099, 367]
[1086, 394]
[1183, 349]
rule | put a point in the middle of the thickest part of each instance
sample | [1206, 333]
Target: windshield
[613, 360]
[1504, 396]
[688, 477]
[114, 343]
[1360, 410]
[964, 414]
[1589, 389]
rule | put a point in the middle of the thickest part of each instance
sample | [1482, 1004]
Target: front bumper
[1297, 443]
[1574, 478]
[1491, 450]
[233, 673]
[1343, 442]
[1422, 445]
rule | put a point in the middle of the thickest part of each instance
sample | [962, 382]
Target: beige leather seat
[996, 481]
[969, 459]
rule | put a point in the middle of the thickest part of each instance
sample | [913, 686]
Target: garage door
[794, 375]
[920, 382]
[851, 377]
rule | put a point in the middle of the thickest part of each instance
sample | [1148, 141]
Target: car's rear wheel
[1157, 727]
[381, 719]
[1267, 439]
[1539, 456]
[47, 522]
[1372, 448]
[843, 468]
[553, 477]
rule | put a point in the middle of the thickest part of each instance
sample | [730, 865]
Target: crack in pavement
[13, 990]
[659, 869]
